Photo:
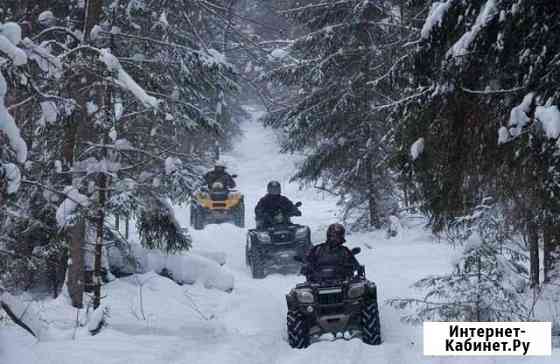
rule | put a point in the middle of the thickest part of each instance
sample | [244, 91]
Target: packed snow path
[194, 325]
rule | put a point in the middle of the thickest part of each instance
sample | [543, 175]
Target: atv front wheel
[371, 328]
[257, 263]
[247, 253]
[298, 330]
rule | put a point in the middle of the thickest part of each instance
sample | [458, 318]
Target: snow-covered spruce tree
[123, 150]
[489, 117]
[13, 149]
[340, 73]
[488, 278]
[182, 43]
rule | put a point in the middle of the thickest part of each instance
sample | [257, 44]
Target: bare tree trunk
[104, 95]
[533, 240]
[76, 130]
[372, 198]
[126, 226]
[551, 245]
[75, 235]
[94, 10]
[76, 270]
[373, 209]
[548, 242]
[102, 184]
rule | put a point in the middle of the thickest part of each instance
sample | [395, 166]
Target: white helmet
[217, 186]
[219, 164]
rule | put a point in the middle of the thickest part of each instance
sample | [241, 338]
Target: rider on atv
[220, 175]
[331, 259]
[272, 203]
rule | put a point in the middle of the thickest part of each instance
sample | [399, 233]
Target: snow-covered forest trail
[254, 314]
[193, 325]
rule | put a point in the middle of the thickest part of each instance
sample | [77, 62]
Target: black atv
[274, 247]
[325, 304]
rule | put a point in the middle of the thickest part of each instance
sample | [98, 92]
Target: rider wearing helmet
[331, 256]
[272, 203]
[219, 176]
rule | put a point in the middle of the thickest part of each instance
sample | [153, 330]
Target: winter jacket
[330, 261]
[271, 204]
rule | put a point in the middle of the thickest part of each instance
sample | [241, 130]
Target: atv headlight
[356, 289]
[304, 295]
[301, 233]
[263, 237]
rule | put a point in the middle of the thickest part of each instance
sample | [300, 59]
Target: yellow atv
[217, 206]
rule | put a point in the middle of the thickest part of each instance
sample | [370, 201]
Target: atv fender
[371, 291]
[291, 300]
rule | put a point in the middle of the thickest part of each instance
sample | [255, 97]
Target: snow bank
[417, 149]
[65, 212]
[25, 312]
[96, 318]
[218, 257]
[437, 12]
[488, 12]
[549, 118]
[188, 268]
[126, 81]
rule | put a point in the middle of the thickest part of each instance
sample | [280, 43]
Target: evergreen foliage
[487, 281]
[340, 72]
[122, 105]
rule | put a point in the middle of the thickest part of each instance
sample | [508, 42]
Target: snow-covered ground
[153, 320]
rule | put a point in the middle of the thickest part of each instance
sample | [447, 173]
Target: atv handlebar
[345, 272]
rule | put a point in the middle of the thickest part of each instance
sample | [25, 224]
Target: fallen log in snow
[22, 313]
[187, 268]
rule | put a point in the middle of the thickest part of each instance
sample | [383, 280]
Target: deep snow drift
[153, 320]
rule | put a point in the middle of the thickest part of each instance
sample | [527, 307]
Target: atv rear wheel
[239, 216]
[257, 263]
[248, 252]
[298, 330]
[371, 328]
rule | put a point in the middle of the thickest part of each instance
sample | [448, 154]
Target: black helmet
[336, 233]
[274, 188]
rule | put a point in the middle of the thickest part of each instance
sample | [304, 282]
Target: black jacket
[330, 261]
[271, 204]
[211, 177]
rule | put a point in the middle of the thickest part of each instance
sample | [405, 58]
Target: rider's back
[330, 262]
